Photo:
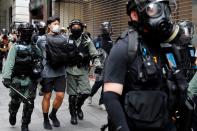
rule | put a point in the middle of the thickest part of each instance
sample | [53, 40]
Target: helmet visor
[143, 4]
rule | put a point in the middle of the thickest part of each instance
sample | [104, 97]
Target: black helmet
[140, 5]
[41, 27]
[106, 27]
[25, 30]
[40, 24]
[25, 27]
[76, 22]
[188, 27]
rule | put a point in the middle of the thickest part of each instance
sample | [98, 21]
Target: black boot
[80, 102]
[12, 119]
[72, 108]
[13, 109]
[52, 116]
[27, 112]
[24, 127]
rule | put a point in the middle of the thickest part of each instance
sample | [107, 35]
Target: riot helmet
[106, 28]
[25, 31]
[41, 27]
[188, 31]
[76, 27]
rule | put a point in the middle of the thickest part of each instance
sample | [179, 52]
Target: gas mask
[155, 17]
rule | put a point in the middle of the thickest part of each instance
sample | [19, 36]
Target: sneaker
[12, 119]
[24, 127]
[56, 122]
[47, 125]
[102, 107]
[89, 100]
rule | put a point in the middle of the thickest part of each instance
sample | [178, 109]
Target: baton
[24, 97]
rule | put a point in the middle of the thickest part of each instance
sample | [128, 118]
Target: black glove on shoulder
[7, 82]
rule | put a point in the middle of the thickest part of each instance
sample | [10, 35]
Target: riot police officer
[78, 86]
[136, 73]
[103, 44]
[20, 73]
[40, 30]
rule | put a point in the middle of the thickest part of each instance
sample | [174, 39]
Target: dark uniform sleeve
[116, 66]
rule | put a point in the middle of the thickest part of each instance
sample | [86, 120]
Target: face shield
[106, 28]
[143, 5]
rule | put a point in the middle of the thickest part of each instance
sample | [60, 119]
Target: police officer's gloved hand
[7, 82]
[181, 80]
[98, 70]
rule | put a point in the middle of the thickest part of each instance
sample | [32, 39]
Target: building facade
[13, 11]
[94, 12]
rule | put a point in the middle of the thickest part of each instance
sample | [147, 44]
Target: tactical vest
[24, 59]
[145, 103]
[104, 43]
[83, 49]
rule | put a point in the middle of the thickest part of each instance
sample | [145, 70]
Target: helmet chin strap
[174, 34]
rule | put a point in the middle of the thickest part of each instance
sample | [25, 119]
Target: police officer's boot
[72, 108]
[13, 109]
[80, 102]
[26, 117]
[24, 127]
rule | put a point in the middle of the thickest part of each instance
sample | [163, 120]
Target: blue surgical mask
[56, 29]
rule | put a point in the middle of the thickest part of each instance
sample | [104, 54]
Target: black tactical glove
[7, 82]
[98, 70]
[181, 81]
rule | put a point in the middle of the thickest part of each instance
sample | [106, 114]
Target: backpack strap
[132, 44]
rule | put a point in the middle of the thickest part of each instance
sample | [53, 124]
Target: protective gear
[76, 33]
[80, 101]
[73, 109]
[188, 30]
[41, 27]
[13, 109]
[24, 127]
[76, 22]
[7, 82]
[27, 111]
[56, 29]
[25, 31]
[155, 18]
[24, 60]
[106, 28]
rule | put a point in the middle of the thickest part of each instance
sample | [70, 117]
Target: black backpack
[57, 51]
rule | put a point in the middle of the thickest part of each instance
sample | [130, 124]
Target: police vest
[82, 49]
[104, 42]
[24, 59]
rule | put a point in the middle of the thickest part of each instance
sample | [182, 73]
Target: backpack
[145, 109]
[56, 51]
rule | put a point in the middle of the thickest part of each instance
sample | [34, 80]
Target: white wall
[21, 10]
[194, 10]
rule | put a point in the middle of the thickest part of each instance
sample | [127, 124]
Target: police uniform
[19, 69]
[78, 85]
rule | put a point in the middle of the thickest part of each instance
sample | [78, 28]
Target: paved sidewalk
[94, 117]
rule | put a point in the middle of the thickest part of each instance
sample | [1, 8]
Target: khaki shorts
[78, 84]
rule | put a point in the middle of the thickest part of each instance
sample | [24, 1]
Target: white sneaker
[102, 106]
[89, 100]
